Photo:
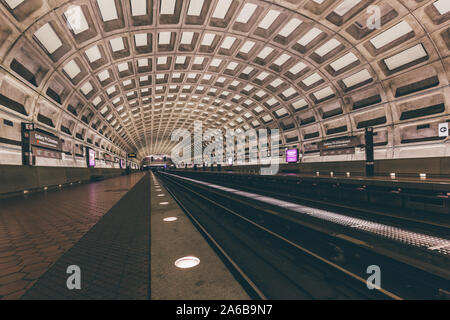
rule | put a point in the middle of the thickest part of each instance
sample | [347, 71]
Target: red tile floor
[35, 230]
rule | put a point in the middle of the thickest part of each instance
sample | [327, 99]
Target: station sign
[45, 153]
[90, 156]
[443, 129]
[338, 146]
[43, 145]
[28, 126]
[291, 155]
[132, 155]
[43, 140]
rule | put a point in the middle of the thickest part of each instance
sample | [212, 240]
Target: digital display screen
[91, 158]
[292, 155]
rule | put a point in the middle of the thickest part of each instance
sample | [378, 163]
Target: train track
[275, 259]
[385, 216]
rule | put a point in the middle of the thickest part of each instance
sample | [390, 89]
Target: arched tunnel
[338, 160]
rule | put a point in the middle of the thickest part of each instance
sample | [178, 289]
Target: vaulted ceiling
[135, 70]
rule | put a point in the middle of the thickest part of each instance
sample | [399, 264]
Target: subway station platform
[294, 147]
[195, 235]
[114, 232]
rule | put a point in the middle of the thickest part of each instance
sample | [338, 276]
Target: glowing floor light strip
[187, 262]
[170, 219]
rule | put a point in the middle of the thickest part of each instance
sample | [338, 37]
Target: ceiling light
[122, 67]
[232, 65]
[86, 88]
[96, 101]
[138, 7]
[309, 36]
[289, 92]
[117, 44]
[107, 9]
[13, 3]
[290, 27]
[327, 47]
[391, 34]
[297, 68]
[140, 39]
[76, 20]
[282, 59]
[186, 37]
[248, 45]
[315, 77]
[208, 38]
[93, 54]
[409, 55]
[143, 62]
[344, 61]
[195, 7]
[246, 12]
[221, 9]
[323, 93]
[168, 6]
[48, 38]
[111, 90]
[161, 60]
[262, 76]
[216, 62]
[357, 78]
[269, 19]
[299, 104]
[442, 6]
[265, 52]
[275, 83]
[199, 60]
[180, 60]
[164, 38]
[104, 75]
[228, 42]
[346, 6]
[72, 69]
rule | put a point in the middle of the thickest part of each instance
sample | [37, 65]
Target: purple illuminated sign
[91, 158]
[292, 155]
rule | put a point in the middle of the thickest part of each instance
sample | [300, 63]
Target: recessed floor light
[161, 195]
[187, 262]
[163, 203]
[170, 219]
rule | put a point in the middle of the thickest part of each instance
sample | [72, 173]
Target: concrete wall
[15, 179]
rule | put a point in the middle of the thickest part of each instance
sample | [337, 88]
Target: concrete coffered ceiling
[132, 71]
